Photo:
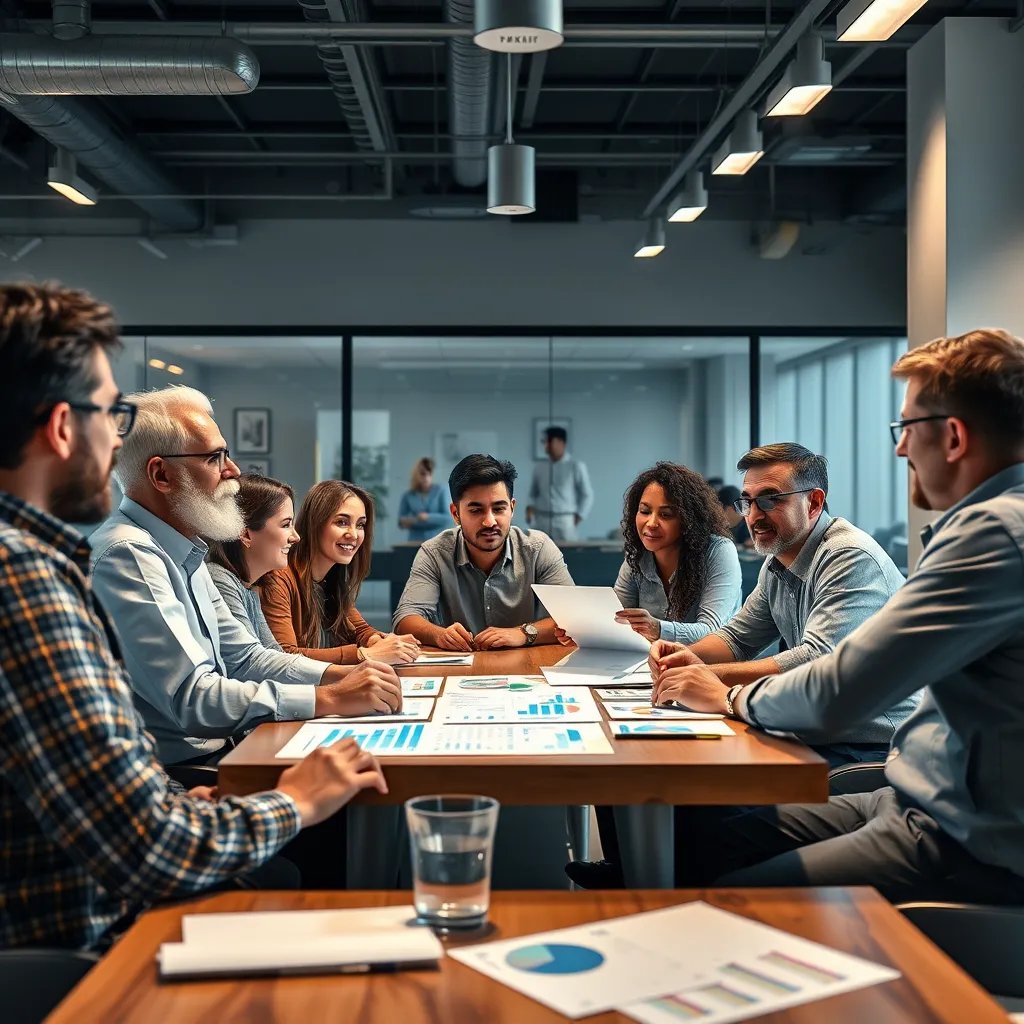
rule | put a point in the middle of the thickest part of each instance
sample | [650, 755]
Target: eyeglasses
[765, 502]
[220, 454]
[897, 427]
[121, 412]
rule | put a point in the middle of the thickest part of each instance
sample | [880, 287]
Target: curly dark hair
[701, 518]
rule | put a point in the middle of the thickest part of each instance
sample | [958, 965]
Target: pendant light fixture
[689, 204]
[868, 21]
[62, 177]
[653, 242]
[510, 167]
[806, 82]
[517, 26]
[742, 149]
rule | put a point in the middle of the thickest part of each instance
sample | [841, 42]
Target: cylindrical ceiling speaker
[510, 183]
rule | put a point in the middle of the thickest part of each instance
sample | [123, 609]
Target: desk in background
[124, 986]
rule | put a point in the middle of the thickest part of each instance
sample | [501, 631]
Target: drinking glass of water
[452, 838]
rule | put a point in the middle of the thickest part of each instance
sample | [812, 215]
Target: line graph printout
[538, 704]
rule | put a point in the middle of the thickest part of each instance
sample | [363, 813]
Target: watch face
[531, 634]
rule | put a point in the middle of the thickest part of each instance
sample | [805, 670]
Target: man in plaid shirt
[91, 830]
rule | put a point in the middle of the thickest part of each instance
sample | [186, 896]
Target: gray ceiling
[610, 117]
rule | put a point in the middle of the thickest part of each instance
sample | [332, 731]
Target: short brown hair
[809, 469]
[977, 376]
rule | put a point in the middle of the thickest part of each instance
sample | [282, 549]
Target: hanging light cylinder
[510, 179]
[518, 26]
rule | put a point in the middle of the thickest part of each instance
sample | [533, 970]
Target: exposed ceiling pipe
[98, 145]
[744, 96]
[354, 78]
[470, 74]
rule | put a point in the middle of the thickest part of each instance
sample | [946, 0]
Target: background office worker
[560, 495]
[94, 832]
[199, 676]
[423, 510]
[950, 823]
[470, 587]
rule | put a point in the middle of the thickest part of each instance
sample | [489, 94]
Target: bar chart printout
[390, 739]
[540, 703]
[518, 739]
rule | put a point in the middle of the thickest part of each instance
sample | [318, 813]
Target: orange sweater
[279, 596]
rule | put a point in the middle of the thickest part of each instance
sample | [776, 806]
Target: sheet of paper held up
[642, 710]
[587, 614]
[687, 962]
[304, 941]
[413, 709]
[538, 704]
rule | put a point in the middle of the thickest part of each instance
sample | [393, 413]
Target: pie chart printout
[554, 958]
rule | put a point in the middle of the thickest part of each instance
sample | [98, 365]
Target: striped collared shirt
[90, 832]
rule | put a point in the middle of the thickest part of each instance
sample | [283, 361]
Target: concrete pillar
[965, 185]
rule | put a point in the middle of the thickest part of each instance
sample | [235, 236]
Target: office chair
[859, 777]
[192, 775]
[987, 942]
[34, 981]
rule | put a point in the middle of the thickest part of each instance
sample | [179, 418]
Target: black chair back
[34, 981]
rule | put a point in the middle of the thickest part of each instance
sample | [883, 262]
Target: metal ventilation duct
[33, 65]
[469, 99]
[117, 162]
[353, 77]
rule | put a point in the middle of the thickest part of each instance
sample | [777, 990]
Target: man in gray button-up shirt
[560, 495]
[822, 578]
[199, 676]
[470, 587]
[950, 825]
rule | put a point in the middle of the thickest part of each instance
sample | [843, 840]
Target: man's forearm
[424, 630]
[546, 631]
[746, 671]
[713, 650]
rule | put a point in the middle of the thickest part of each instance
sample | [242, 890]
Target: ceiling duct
[353, 76]
[470, 73]
[34, 65]
[123, 167]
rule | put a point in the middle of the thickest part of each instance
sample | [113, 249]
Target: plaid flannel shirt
[90, 829]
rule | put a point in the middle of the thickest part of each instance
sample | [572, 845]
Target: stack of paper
[687, 962]
[440, 659]
[298, 942]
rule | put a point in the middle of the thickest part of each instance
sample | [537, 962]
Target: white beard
[216, 516]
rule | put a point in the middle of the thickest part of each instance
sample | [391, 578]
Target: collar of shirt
[186, 554]
[462, 551]
[49, 529]
[650, 571]
[802, 562]
[1012, 476]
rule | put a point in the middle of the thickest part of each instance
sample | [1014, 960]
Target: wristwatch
[530, 632]
[730, 696]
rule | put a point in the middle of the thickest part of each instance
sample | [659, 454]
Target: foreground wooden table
[750, 768]
[124, 986]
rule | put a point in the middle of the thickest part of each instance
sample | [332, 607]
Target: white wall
[492, 273]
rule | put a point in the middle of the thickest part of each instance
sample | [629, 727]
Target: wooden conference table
[749, 768]
[124, 986]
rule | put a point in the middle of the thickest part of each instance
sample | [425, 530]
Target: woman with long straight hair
[311, 605]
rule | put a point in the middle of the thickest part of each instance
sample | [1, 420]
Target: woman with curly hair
[681, 578]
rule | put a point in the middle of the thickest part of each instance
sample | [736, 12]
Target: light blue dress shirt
[434, 503]
[719, 601]
[955, 628]
[198, 675]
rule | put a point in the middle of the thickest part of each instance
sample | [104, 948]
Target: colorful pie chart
[554, 958]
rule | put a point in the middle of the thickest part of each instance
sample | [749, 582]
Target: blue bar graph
[380, 740]
[563, 741]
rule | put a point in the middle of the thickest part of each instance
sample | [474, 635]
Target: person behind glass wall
[728, 496]
[268, 512]
[94, 830]
[310, 604]
[423, 510]
[560, 495]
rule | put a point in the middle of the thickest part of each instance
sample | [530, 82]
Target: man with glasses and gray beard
[198, 675]
[821, 578]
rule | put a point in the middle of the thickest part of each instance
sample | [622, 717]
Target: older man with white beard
[198, 676]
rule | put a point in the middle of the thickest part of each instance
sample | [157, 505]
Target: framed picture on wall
[540, 424]
[252, 431]
[260, 466]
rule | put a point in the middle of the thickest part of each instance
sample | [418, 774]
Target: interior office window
[836, 396]
[277, 400]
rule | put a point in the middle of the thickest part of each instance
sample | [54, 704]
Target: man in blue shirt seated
[470, 587]
[200, 676]
[950, 822]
